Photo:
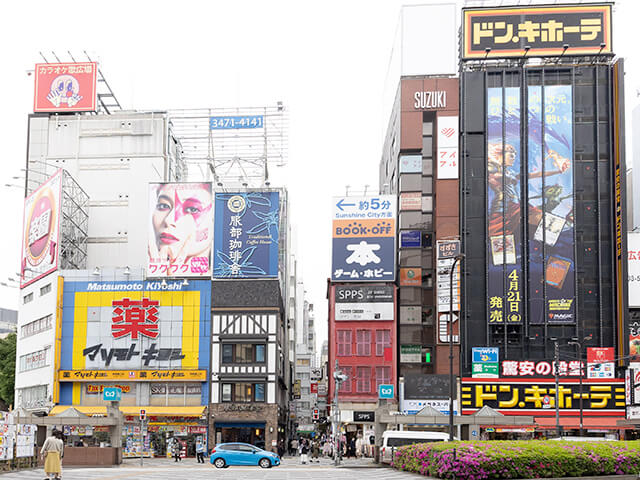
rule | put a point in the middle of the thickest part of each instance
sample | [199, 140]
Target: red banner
[600, 355]
[65, 87]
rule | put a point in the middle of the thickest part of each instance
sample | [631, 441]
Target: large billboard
[536, 31]
[134, 331]
[180, 230]
[364, 302]
[550, 205]
[247, 229]
[65, 87]
[41, 226]
[364, 232]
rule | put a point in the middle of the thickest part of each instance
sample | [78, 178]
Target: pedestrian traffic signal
[316, 414]
[143, 414]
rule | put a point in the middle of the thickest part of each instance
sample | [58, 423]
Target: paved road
[163, 470]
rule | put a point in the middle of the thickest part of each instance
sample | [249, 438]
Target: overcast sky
[326, 61]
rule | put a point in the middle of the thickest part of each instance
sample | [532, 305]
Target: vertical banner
[181, 230]
[550, 205]
[247, 227]
[447, 147]
[503, 201]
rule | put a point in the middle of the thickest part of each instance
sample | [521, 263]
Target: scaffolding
[74, 225]
[233, 156]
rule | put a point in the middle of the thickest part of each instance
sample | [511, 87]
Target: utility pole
[579, 344]
[338, 378]
[451, 377]
[556, 364]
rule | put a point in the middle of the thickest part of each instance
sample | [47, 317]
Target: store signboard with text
[364, 302]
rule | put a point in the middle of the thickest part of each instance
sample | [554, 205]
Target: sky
[326, 61]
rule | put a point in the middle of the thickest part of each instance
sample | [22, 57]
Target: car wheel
[264, 463]
[219, 463]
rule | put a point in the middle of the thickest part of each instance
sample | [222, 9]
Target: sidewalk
[289, 461]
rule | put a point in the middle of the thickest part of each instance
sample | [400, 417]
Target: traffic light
[427, 355]
[316, 414]
[143, 415]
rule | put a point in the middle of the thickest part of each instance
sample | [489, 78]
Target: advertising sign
[411, 277]
[364, 231]
[485, 362]
[368, 417]
[633, 269]
[410, 239]
[485, 354]
[134, 331]
[526, 396]
[411, 201]
[412, 407]
[543, 368]
[180, 230]
[446, 253]
[65, 87]
[314, 387]
[410, 163]
[600, 362]
[41, 228]
[247, 229]
[385, 391]
[536, 31]
[364, 302]
[296, 389]
[550, 205]
[447, 147]
[410, 353]
[236, 122]
[112, 394]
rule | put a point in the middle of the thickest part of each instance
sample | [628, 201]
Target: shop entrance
[252, 433]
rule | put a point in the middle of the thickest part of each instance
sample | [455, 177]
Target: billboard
[364, 303]
[247, 228]
[180, 230]
[447, 147]
[40, 231]
[411, 277]
[134, 331]
[536, 31]
[364, 231]
[65, 87]
[550, 193]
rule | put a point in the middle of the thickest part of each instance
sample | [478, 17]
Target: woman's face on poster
[183, 218]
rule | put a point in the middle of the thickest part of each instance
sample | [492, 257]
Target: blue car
[227, 454]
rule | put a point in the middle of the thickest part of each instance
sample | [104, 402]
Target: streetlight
[575, 341]
[338, 377]
[457, 258]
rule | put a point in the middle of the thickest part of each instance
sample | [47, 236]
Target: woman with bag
[52, 453]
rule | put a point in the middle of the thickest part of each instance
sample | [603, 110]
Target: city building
[8, 322]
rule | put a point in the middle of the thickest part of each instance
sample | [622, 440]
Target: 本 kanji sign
[364, 230]
[514, 397]
[536, 31]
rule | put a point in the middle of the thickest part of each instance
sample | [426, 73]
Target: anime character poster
[503, 195]
[180, 230]
[550, 203]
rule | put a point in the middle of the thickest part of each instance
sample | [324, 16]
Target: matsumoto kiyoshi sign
[119, 326]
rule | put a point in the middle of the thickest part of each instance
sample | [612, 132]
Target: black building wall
[594, 212]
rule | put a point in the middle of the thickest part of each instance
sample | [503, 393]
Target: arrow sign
[341, 204]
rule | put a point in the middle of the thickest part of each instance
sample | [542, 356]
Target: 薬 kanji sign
[364, 230]
[135, 317]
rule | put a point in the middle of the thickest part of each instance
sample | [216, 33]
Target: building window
[383, 376]
[302, 362]
[34, 360]
[27, 298]
[427, 203]
[363, 380]
[363, 343]
[33, 397]
[37, 326]
[383, 340]
[46, 289]
[243, 392]
[344, 343]
[345, 387]
[242, 353]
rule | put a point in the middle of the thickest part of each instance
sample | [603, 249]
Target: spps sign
[364, 231]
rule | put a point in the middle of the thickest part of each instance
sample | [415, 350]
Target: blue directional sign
[112, 394]
[485, 354]
[364, 236]
[385, 391]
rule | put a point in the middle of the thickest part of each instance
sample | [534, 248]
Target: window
[427, 203]
[363, 380]
[243, 392]
[345, 387]
[34, 360]
[363, 343]
[27, 298]
[243, 353]
[383, 340]
[302, 362]
[37, 326]
[46, 289]
[32, 397]
[383, 376]
[344, 343]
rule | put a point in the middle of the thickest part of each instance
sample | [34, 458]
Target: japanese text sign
[65, 87]
[515, 397]
[528, 368]
[485, 354]
[536, 31]
[364, 231]
[40, 230]
[246, 236]
[447, 147]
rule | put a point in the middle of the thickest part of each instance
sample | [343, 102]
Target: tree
[7, 368]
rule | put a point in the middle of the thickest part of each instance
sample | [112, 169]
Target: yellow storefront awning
[157, 411]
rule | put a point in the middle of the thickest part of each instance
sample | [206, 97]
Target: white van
[392, 439]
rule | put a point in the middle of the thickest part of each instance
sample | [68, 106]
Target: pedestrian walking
[52, 453]
[176, 450]
[281, 448]
[315, 451]
[304, 452]
[200, 451]
[294, 447]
